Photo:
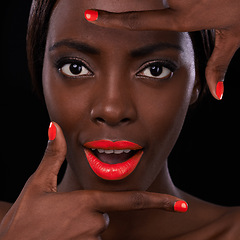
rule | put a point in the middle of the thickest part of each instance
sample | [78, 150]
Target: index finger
[165, 19]
[137, 200]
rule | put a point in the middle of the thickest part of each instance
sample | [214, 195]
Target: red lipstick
[113, 160]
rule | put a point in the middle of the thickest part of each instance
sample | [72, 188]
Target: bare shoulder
[4, 207]
[234, 212]
[232, 221]
[227, 226]
[212, 221]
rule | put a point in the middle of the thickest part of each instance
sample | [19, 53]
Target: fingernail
[52, 132]
[220, 90]
[180, 206]
[91, 15]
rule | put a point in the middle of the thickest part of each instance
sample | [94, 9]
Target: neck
[131, 222]
[162, 184]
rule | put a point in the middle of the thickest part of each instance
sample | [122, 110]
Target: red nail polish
[52, 132]
[91, 15]
[220, 90]
[180, 206]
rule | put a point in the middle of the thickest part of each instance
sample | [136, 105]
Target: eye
[156, 70]
[75, 70]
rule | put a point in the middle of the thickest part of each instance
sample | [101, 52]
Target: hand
[40, 212]
[187, 16]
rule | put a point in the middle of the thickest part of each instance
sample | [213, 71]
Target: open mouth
[113, 160]
[111, 156]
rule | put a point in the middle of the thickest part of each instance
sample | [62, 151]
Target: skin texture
[113, 101]
[110, 104]
[195, 15]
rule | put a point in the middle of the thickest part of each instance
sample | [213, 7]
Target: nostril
[112, 114]
[125, 120]
[101, 120]
[98, 119]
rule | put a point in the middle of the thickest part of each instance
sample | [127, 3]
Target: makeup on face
[113, 160]
[110, 84]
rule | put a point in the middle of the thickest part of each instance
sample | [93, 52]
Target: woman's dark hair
[38, 23]
[203, 43]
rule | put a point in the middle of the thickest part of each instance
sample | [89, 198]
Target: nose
[113, 105]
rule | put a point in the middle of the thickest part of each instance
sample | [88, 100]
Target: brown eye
[156, 70]
[74, 70]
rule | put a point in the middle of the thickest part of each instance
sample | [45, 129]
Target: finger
[136, 200]
[165, 19]
[54, 155]
[103, 223]
[225, 47]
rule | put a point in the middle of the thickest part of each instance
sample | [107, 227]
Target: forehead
[68, 22]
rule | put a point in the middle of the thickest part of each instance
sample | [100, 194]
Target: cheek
[168, 104]
[62, 100]
[167, 108]
[162, 112]
[162, 109]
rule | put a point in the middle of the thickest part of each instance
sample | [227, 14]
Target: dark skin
[186, 16]
[109, 102]
[114, 98]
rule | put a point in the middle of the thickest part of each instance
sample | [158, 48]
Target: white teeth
[118, 151]
[101, 150]
[110, 151]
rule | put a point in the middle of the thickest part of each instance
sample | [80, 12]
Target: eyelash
[71, 61]
[166, 65]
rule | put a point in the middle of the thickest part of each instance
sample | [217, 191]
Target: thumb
[226, 44]
[54, 156]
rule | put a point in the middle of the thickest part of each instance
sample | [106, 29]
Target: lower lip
[113, 171]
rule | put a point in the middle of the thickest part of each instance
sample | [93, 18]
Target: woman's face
[112, 84]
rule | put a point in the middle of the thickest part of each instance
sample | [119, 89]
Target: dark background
[204, 162]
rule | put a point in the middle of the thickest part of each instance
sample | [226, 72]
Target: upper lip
[114, 145]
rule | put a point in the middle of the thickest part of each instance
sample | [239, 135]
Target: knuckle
[220, 67]
[167, 204]
[132, 20]
[53, 151]
[227, 40]
[100, 224]
[220, 34]
[138, 200]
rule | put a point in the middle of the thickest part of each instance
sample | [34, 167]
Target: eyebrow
[140, 52]
[146, 50]
[79, 46]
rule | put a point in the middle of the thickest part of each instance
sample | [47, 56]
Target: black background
[204, 162]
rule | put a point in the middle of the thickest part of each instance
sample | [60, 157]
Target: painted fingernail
[91, 15]
[52, 132]
[180, 206]
[220, 90]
